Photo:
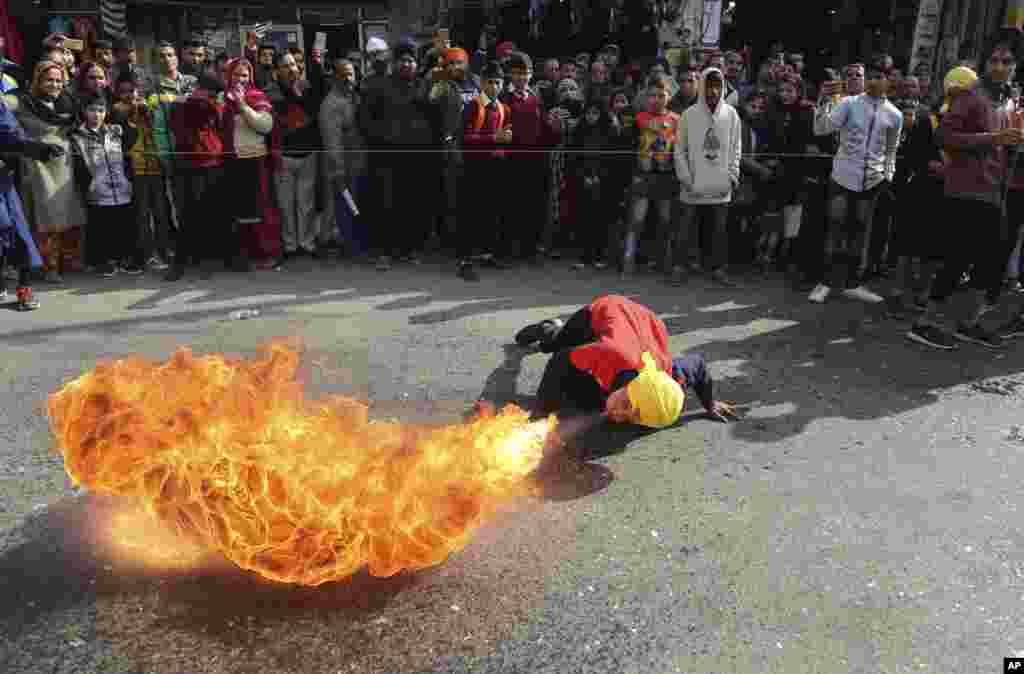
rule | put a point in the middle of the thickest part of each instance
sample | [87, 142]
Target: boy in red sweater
[487, 127]
[527, 157]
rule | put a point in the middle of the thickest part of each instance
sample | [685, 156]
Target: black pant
[986, 246]
[593, 218]
[204, 214]
[404, 200]
[17, 256]
[525, 204]
[113, 236]
[479, 215]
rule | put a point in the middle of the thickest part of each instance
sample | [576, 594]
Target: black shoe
[1013, 329]
[240, 264]
[467, 272]
[175, 274]
[976, 334]
[544, 331]
[929, 335]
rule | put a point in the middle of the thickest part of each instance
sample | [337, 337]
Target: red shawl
[256, 100]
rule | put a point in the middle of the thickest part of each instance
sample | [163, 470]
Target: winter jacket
[162, 103]
[198, 125]
[869, 135]
[101, 164]
[298, 118]
[142, 153]
[452, 101]
[708, 151]
[344, 146]
[397, 115]
[976, 169]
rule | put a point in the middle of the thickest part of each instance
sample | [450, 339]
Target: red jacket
[480, 126]
[197, 131]
[624, 330]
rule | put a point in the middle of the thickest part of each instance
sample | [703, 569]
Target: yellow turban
[655, 395]
[960, 77]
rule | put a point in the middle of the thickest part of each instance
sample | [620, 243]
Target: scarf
[63, 113]
[256, 100]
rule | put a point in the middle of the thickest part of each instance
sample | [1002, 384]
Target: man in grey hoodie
[869, 128]
[707, 159]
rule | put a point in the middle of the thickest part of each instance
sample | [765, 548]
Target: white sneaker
[819, 294]
[863, 294]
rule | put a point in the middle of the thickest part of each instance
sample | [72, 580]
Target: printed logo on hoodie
[712, 145]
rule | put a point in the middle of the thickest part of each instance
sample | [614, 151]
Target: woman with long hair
[47, 113]
[251, 151]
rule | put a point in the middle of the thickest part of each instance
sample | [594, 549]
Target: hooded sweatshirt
[869, 133]
[708, 150]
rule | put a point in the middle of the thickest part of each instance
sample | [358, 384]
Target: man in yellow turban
[612, 356]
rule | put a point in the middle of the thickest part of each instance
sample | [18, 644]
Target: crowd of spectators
[677, 161]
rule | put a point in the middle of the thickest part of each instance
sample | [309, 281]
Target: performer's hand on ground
[722, 410]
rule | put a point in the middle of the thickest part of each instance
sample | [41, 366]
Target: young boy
[654, 180]
[130, 110]
[101, 173]
[487, 127]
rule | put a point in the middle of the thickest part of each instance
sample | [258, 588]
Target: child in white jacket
[707, 159]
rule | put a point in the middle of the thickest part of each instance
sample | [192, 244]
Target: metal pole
[238, 29]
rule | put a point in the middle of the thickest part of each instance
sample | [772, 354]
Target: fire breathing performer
[612, 356]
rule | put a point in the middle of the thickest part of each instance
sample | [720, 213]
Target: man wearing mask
[379, 55]
[396, 118]
[869, 128]
[451, 95]
[344, 157]
[296, 113]
[980, 138]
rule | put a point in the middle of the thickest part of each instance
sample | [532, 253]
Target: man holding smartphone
[869, 129]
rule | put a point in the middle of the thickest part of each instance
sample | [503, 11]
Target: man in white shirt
[869, 128]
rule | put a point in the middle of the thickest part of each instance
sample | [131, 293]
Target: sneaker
[132, 269]
[978, 335]
[538, 332]
[53, 276]
[579, 266]
[1013, 329]
[4, 296]
[929, 335]
[862, 294]
[383, 263]
[26, 300]
[896, 306]
[599, 265]
[820, 293]
[156, 264]
[467, 272]
[10, 274]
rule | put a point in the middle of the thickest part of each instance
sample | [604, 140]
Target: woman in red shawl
[251, 147]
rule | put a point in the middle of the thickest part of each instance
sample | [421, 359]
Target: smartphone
[74, 45]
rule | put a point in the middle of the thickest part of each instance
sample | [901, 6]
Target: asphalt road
[861, 517]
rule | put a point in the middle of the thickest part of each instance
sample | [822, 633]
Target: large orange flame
[229, 453]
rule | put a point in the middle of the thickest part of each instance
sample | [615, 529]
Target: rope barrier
[501, 148]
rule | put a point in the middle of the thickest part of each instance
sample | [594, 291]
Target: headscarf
[256, 100]
[960, 77]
